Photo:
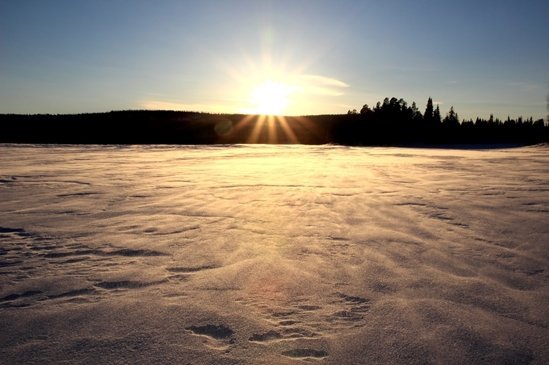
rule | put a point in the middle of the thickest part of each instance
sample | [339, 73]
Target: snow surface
[273, 255]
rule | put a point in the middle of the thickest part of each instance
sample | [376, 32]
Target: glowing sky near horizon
[317, 56]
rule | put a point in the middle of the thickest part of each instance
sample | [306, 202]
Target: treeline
[396, 122]
[160, 127]
[391, 122]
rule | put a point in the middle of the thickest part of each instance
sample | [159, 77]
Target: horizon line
[243, 114]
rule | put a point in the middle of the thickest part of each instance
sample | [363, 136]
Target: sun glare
[271, 98]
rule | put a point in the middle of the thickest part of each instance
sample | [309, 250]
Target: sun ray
[276, 129]
[287, 130]
[272, 136]
[256, 132]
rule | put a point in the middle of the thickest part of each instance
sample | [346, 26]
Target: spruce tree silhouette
[451, 120]
[436, 116]
[429, 112]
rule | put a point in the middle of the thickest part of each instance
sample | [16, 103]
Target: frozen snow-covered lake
[273, 255]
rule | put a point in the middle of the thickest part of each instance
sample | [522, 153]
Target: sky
[294, 57]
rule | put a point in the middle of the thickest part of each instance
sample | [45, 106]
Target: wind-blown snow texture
[273, 255]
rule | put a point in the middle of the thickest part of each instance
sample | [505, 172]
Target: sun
[270, 98]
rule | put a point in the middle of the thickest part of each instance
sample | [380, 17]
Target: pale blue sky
[481, 57]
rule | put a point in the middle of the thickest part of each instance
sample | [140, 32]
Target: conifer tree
[428, 115]
[436, 115]
[416, 114]
[451, 118]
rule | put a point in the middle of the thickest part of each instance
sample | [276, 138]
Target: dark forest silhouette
[394, 122]
[391, 122]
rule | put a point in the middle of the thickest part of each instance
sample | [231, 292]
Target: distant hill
[164, 127]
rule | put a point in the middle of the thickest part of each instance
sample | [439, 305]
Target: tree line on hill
[391, 122]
